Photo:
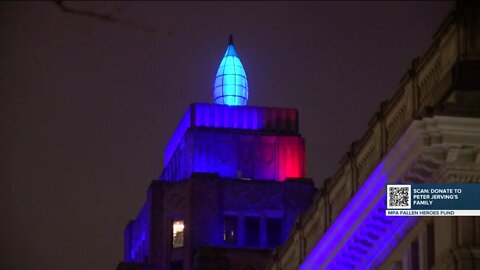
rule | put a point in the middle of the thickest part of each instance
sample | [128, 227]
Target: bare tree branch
[107, 17]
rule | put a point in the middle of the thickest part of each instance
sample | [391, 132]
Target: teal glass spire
[231, 85]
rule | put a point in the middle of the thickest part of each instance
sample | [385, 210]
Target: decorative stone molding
[435, 144]
[429, 80]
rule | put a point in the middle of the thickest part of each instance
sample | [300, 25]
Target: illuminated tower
[232, 186]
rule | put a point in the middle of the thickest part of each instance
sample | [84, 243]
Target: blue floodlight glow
[374, 236]
[231, 85]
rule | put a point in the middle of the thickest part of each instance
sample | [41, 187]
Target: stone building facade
[428, 132]
[203, 202]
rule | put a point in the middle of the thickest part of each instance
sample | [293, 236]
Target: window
[252, 231]
[178, 233]
[274, 232]
[230, 229]
[176, 265]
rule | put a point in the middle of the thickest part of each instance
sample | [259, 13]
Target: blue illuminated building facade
[232, 187]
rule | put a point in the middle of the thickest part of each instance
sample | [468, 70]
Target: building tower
[232, 186]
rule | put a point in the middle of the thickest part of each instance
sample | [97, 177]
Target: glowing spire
[231, 85]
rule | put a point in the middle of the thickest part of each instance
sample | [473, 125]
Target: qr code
[398, 196]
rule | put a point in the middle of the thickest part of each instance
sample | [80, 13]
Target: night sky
[91, 93]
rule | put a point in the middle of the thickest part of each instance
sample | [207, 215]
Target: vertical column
[444, 234]
[422, 248]
[406, 260]
[466, 231]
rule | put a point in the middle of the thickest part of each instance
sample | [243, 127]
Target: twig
[106, 17]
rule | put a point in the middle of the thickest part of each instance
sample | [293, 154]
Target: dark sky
[88, 105]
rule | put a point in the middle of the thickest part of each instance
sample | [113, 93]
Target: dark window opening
[430, 245]
[274, 232]
[176, 265]
[415, 262]
[230, 229]
[252, 231]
